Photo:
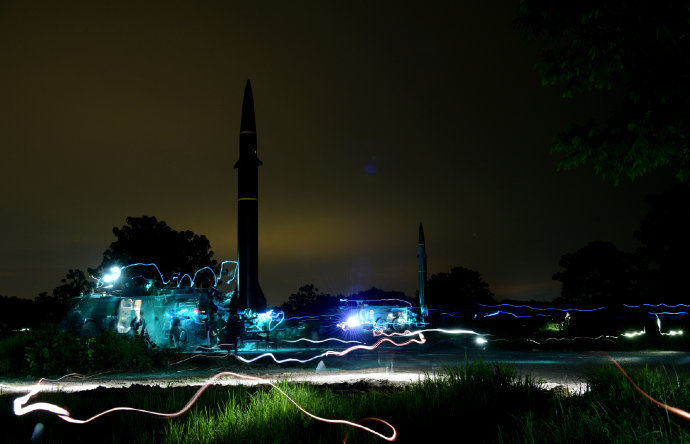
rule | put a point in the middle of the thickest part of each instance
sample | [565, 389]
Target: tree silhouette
[309, 301]
[634, 48]
[597, 274]
[147, 240]
[73, 284]
[461, 288]
[665, 238]
[53, 307]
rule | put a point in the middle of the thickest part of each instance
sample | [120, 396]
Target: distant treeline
[17, 313]
[596, 274]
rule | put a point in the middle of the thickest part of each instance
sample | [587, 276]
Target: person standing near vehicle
[233, 329]
[174, 336]
[138, 324]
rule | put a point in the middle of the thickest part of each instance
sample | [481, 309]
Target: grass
[613, 412]
[474, 402]
[471, 401]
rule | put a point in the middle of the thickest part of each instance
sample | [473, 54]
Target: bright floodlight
[112, 276]
[352, 322]
[480, 340]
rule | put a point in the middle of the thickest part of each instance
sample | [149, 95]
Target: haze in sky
[371, 117]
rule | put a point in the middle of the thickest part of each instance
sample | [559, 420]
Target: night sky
[371, 117]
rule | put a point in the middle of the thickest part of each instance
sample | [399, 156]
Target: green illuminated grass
[472, 402]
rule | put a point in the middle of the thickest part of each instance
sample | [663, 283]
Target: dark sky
[371, 117]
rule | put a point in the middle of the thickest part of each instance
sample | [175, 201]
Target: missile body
[250, 294]
[421, 272]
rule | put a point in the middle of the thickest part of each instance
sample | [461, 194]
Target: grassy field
[471, 402]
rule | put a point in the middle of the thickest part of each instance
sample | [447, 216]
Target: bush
[50, 351]
[12, 349]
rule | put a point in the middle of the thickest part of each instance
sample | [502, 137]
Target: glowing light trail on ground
[499, 312]
[312, 341]
[379, 332]
[669, 408]
[577, 338]
[20, 407]
[420, 340]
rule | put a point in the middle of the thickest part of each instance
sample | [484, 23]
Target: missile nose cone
[421, 234]
[248, 131]
[248, 123]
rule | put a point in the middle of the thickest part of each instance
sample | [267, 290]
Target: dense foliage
[634, 49]
[51, 352]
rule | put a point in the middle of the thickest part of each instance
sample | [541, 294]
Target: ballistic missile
[249, 291]
[421, 271]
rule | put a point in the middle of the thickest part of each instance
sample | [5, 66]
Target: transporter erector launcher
[249, 291]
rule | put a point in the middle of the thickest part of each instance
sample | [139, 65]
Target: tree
[665, 238]
[73, 284]
[308, 301]
[460, 288]
[597, 274]
[635, 47]
[53, 307]
[147, 240]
